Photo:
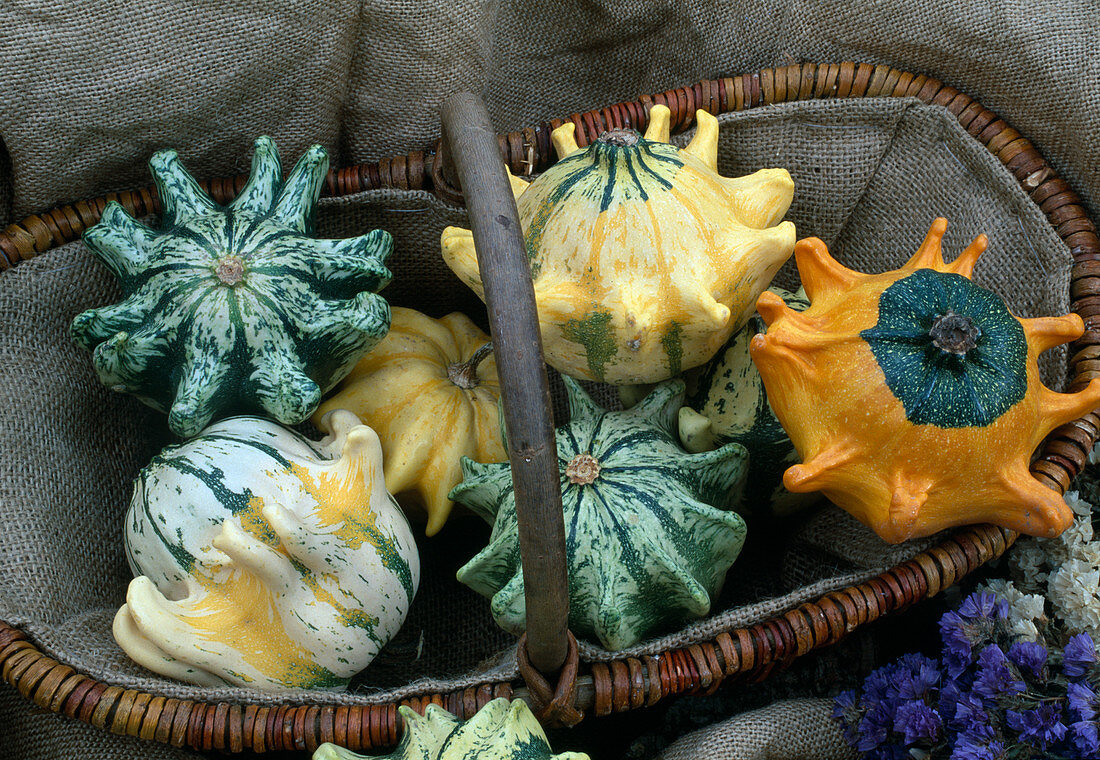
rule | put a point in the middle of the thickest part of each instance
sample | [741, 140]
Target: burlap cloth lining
[73, 447]
[94, 86]
[796, 728]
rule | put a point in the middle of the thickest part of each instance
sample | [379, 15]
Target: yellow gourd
[913, 397]
[430, 391]
[644, 259]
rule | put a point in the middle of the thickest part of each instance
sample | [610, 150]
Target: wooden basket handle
[525, 391]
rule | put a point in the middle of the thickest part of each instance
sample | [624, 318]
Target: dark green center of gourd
[951, 352]
[230, 270]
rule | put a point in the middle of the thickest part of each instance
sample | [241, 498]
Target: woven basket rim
[602, 687]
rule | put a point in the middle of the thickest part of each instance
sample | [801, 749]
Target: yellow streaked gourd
[644, 259]
[430, 391]
[265, 559]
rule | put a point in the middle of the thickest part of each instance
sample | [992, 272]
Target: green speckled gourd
[234, 309]
[648, 538]
[728, 404]
[501, 730]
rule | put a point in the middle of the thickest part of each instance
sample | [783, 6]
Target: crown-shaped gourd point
[235, 308]
[913, 397]
[644, 259]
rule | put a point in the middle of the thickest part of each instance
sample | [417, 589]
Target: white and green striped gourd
[234, 309]
[265, 559]
[728, 404]
[648, 538]
[501, 730]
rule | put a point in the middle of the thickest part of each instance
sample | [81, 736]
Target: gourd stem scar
[619, 137]
[464, 374]
[582, 469]
[230, 270]
[954, 333]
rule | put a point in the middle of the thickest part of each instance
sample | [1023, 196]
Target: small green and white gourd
[234, 309]
[265, 559]
[648, 535]
[729, 404]
[502, 730]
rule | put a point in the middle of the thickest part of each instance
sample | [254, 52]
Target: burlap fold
[92, 87]
[796, 729]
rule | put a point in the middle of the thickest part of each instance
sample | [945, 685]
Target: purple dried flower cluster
[989, 697]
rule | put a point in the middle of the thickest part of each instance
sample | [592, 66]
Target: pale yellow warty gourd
[430, 391]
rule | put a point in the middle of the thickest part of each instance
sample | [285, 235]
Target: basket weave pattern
[628, 683]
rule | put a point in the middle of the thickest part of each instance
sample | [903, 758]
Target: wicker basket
[580, 689]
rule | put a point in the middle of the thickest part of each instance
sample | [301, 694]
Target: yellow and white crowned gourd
[265, 559]
[644, 259]
[430, 391]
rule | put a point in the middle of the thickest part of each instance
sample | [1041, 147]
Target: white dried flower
[1089, 553]
[1023, 610]
[1080, 507]
[1025, 629]
[1065, 570]
[1075, 538]
[1001, 588]
[1030, 606]
[1055, 550]
[1074, 593]
[1028, 563]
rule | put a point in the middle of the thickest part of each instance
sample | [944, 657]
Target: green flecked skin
[729, 405]
[938, 387]
[648, 540]
[610, 175]
[234, 309]
[501, 730]
[183, 495]
[594, 333]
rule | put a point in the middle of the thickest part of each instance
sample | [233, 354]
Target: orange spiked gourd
[913, 397]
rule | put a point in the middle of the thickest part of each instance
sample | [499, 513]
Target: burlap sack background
[793, 728]
[91, 89]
